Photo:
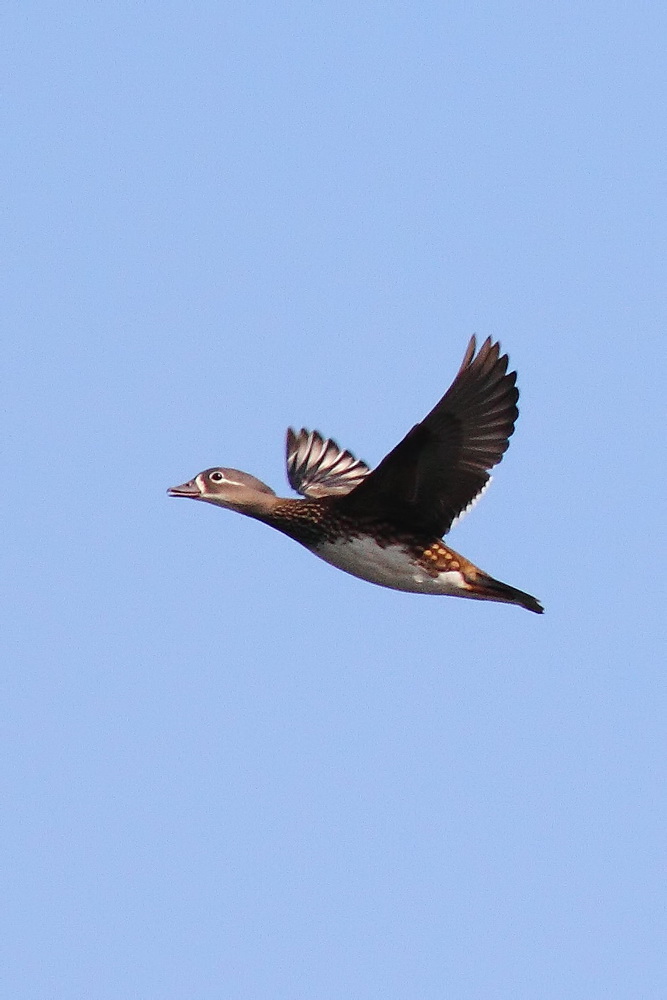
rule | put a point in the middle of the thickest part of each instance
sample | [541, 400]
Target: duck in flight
[386, 525]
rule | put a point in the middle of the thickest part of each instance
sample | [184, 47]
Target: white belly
[389, 567]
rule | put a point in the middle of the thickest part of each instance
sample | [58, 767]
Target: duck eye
[216, 477]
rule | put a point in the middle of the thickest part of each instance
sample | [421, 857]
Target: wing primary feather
[442, 465]
[317, 467]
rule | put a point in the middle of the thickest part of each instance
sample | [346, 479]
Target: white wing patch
[473, 502]
[317, 467]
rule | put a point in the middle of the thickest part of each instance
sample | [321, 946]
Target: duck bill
[190, 490]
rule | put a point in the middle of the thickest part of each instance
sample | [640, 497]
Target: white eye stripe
[219, 477]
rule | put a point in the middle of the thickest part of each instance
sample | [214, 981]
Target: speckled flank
[437, 558]
[394, 566]
[375, 551]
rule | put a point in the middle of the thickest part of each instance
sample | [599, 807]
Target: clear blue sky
[231, 771]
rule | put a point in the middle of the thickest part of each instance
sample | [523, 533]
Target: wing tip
[490, 349]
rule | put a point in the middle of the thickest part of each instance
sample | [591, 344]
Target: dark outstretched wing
[442, 465]
[317, 467]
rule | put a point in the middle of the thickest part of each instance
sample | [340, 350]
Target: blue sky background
[230, 770]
